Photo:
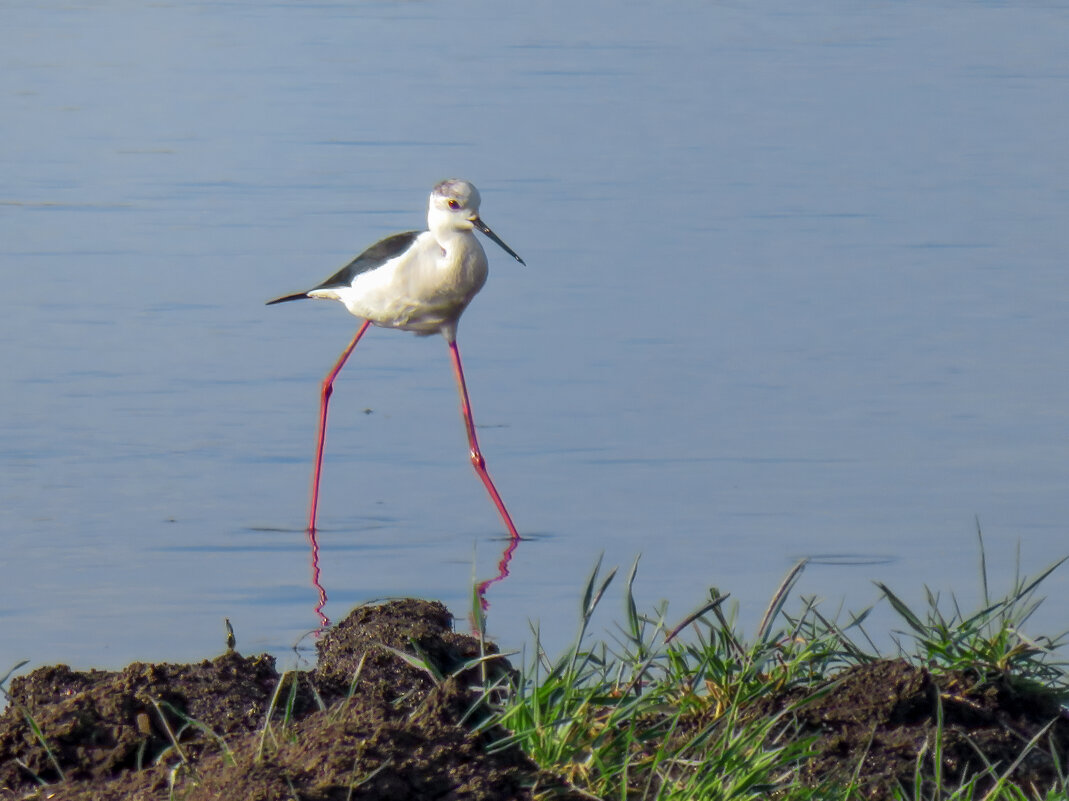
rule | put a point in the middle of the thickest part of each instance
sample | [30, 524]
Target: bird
[419, 281]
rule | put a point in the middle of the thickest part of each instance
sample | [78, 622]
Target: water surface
[797, 287]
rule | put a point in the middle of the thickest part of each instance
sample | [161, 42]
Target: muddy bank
[363, 719]
[367, 724]
[878, 724]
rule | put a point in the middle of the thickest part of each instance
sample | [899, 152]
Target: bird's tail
[284, 298]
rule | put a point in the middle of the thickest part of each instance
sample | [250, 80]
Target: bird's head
[454, 205]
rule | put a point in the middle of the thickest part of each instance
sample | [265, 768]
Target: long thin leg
[477, 460]
[328, 388]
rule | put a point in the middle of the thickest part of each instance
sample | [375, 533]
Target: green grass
[662, 710]
[989, 641]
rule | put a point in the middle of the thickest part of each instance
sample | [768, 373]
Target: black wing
[378, 254]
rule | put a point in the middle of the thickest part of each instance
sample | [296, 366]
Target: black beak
[486, 230]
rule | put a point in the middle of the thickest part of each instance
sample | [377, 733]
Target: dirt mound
[876, 722]
[365, 724]
[100, 724]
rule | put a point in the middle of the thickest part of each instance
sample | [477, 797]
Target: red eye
[454, 204]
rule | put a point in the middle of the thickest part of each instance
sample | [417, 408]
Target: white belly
[423, 290]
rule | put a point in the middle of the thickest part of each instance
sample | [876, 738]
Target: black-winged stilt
[421, 282]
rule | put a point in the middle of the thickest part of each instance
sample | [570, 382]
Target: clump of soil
[876, 722]
[366, 724]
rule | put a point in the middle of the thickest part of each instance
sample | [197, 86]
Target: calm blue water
[797, 286]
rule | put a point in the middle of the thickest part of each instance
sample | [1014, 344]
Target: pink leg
[477, 459]
[328, 388]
